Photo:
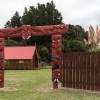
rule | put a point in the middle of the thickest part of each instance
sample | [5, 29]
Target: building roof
[24, 52]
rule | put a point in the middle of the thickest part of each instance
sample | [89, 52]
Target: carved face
[26, 31]
[56, 75]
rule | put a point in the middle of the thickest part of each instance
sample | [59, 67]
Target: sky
[74, 12]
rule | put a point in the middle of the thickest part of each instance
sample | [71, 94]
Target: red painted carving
[11, 32]
[56, 63]
[56, 75]
[49, 30]
[26, 31]
[1, 62]
[1, 78]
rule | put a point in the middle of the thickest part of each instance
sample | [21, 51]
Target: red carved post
[56, 60]
[1, 62]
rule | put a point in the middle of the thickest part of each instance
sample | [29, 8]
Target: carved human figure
[56, 58]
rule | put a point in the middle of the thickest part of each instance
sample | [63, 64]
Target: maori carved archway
[27, 31]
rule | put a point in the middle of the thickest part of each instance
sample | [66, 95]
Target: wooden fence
[81, 70]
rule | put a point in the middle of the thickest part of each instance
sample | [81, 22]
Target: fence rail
[81, 70]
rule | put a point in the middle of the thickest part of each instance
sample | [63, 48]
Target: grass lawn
[37, 85]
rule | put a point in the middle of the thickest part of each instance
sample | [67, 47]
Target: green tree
[16, 20]
[52, 15]
[75, 32]
[77, 46]
[44, 52]
[43, 14]
[27, 18]
[8, 24]
[10, 42]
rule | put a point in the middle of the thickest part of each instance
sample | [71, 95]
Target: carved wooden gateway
[27, 31]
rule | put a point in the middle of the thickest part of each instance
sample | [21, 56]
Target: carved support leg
[1, 62]
[56, 60]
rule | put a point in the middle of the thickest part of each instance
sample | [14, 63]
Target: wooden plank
[73, 73]
[92, 70]
[81, 70]
[67, 63]
[99, 72]
[96, 72]
[70, 70]
[63, 69]
[77, 71]
[84, 73]
[88, 71]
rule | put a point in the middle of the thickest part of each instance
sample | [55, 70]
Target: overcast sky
[75, 12]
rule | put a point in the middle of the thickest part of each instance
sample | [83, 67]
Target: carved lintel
[49, 30]
[10, 32]
[27, 31]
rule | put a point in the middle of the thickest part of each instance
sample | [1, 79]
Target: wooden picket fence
[81, 70]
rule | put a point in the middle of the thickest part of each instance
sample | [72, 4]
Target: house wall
[18, 65]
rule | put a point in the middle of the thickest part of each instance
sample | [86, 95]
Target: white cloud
[81, 12]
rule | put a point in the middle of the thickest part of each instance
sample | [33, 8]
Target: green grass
[37, 85]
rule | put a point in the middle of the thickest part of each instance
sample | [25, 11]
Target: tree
[43, 14]
[10, 42]
[27, 17]
[16, 20]
[73, 40]
[8, 24]
[44, 52]
[75, 32]
[77, 46]
[53, 16]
